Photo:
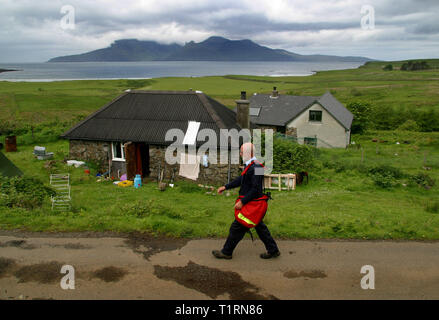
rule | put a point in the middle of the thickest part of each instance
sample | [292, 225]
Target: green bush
[423, 180]
[386, 170]
[384, 180]
[432, 207]
[415, 65]
[289, 156]
[388, 67]
[362, 113]
[23, 192]
[385, 176]
[409, 125]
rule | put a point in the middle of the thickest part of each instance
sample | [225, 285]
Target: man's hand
[238, 205]
[221, 189]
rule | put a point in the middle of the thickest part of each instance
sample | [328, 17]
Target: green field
[340, 201]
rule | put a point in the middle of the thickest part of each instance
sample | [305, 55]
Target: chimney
[275, 93]
[242, 111]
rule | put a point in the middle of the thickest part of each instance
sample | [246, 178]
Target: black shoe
[267, 255]
[219, 255]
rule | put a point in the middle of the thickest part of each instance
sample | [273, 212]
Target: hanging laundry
[189, 166]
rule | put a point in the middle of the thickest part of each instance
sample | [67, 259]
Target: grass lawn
[337, 203]
[39, 102]
[340, 201]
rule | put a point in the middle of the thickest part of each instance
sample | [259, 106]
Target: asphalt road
[109, 266]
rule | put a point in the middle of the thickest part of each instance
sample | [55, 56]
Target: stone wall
[96, 151]
[99, 151]
[214, 174]
[291, 131]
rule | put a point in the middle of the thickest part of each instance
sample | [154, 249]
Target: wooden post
[280, 183]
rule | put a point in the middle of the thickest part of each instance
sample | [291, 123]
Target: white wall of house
[329, 129]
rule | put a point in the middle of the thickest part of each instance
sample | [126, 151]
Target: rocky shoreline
[7, 70]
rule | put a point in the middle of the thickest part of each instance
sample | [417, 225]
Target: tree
[362, 113]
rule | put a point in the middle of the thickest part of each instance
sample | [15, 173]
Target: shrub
[388, 67]
[409, 125]
[423, 180]
[428, 120]
[386, 170]
[415, 65]
[432, 207]
[385, 176]
[23, 192]
[384, 180]
[289, 156]
[362, 113]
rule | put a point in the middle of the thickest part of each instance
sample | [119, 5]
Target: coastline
[7, 70]
[35, 72]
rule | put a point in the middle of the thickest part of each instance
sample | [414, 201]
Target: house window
[315, 115]
[311, 141]
[118, 151]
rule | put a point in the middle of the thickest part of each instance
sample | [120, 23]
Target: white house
[321, 121]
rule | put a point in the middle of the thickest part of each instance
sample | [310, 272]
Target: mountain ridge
[214, 48]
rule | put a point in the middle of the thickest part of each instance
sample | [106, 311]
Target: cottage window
[118, 151]
[315, 115]
[311, 141]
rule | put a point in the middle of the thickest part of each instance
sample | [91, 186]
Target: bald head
[247, 151]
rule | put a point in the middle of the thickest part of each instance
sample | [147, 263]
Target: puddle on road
[42, 273]
[153, 244]
[109, 274]
[5, 266]
[210, 281]
[22, 244]
[72, 246]
[313, 274]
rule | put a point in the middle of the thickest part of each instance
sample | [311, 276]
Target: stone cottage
[320, 121]
[128, 134]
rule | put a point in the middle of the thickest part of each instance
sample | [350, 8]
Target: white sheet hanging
[189, 166]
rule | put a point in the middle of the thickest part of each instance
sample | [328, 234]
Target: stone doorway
[137, 159]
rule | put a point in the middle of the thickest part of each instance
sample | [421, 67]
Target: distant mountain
[211, 49]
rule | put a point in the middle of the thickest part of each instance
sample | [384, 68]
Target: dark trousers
[237, 232]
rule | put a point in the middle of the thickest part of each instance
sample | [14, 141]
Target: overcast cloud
[30, 31]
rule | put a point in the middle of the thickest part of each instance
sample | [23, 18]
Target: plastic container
[137, 181]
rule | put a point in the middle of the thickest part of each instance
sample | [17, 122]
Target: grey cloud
[34, 25]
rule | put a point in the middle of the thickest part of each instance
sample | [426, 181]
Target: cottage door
[131, 160]
[143, 154]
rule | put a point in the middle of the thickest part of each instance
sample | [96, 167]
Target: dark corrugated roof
[281, 110]
[146, 116]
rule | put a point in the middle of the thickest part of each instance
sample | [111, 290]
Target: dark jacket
[250, 183]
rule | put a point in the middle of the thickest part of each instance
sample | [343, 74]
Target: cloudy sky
[32, 31]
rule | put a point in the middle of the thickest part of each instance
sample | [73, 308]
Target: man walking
[251, 183]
